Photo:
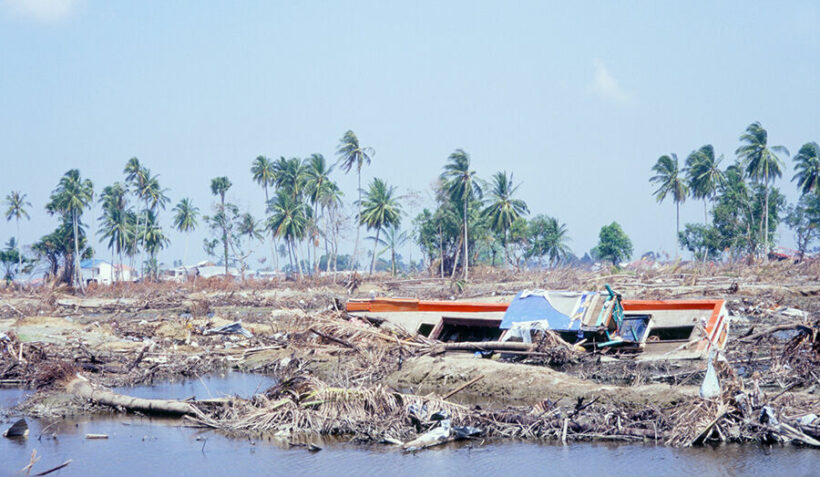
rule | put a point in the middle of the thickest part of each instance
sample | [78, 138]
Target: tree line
[744, 204]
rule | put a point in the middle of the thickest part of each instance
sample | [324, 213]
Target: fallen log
[82, 388]
[774, 329]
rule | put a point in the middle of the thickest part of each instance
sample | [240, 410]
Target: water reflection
[141, 446]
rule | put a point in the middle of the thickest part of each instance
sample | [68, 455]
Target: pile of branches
[739, 414]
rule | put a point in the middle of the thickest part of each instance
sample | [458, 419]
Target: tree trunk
[705, 213]
[19, 251]
[455, 260]
[82, 388]
[766, 217]
[142, 249]
[677, 228]
[466, 244]
[77, 269]
[358, 224]
[441, 250]
[375, 245]
[224, 232]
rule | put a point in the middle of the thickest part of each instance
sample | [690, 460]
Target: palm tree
[556, 246]
[379, 209]
[154, 197]
[669, 181]
[219, 186]
[185, 220]
[154, 240]
[704, 175]
[319, 186]
[69, 199]
[462, 185]
[351, 153]
[114, 224]
[807, 167]
[264, 174]
[330, 203]
[17, 203]
[136, 177]
[394, 238]
[761, 163]
[288, 219]
[503, 209]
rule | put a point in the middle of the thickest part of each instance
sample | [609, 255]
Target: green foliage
[804, 219]
[702, 240]
[807, 168]
[548, 238]
[379, 210]
[613, 244]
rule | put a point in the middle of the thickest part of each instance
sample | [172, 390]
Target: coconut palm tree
[17, 203]
[136, 177]
[114, 221]
[503, 209]
[288, 219]
[72, 195]
[155, 198]
[331, 204]
[154, 240]
[318, 185]
[556, 246]
[351, 153]
[379, 209]
[462, 185]
[704, 175]
[220, 186]
[186, 220]
[394, 239]
[669, 180]
[264, 174]
[807, 167]
[762, 164]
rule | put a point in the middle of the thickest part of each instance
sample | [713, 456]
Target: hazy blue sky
[577, 99]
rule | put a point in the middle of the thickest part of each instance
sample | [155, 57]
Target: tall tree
[136, 176]
[186, 220]
[462, 185]
[379, 209]
[669, 180]
[319, 186]
[17, 203]
[114, 222]
[548, 237]
[350, 154]
[807, 168]
[288, 219]
[704, 175]
[762, 164]
[220, 186]
[155, 198]
[503, 209]
[72, 195]
[394, 239]
[264, 174]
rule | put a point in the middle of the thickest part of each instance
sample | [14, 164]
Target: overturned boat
[651, 329]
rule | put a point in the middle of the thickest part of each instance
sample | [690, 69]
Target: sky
[576, 99]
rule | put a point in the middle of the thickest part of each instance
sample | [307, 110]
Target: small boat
[654, 329]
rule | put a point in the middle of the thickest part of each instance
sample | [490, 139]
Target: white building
[102, 272]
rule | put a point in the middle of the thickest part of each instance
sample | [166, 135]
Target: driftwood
[463, 386]
[774, 329]
[82, 388]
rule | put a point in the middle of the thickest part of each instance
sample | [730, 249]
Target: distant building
[103, 272]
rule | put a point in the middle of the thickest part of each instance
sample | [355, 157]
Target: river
[140, 446]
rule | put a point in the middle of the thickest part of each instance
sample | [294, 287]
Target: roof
[92, 262]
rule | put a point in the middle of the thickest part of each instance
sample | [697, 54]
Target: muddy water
[140, 446]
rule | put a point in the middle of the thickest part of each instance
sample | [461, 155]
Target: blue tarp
[536, 307]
